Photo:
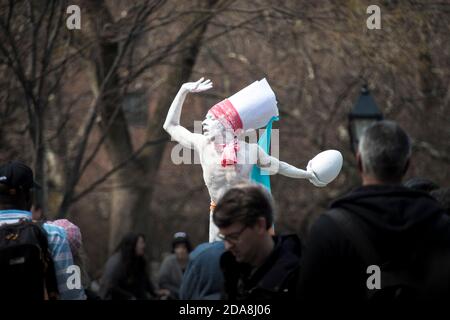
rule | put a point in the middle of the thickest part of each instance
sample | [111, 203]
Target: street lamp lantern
[364, 113]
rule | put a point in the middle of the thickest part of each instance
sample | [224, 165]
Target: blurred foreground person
[34, 256]
[203, 279]
[256, 265]
[383, 241]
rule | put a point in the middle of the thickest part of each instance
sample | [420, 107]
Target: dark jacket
[397, 222]
[275, 279]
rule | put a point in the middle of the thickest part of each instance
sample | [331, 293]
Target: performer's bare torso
[219, 179]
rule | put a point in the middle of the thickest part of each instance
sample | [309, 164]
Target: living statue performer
[225, 157]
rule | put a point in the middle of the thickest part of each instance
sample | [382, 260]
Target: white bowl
[327, 165]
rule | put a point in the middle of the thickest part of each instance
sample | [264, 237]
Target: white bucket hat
[250, 108]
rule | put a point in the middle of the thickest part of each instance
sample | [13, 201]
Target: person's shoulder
[205, 250]
[325, 221]
[54, 231]
[325, 230]
[170, 259]
[291, 241]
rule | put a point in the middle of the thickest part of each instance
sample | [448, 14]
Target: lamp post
[364, 113]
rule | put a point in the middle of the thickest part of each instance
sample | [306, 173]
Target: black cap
[17, 176]
[181, 237]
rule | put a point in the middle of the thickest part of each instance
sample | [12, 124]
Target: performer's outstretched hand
[324, 167]
[198, 86]
[313, 178]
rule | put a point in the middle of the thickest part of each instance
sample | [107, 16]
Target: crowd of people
[385, 240]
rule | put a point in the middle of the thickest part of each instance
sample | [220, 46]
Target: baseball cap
[181, 237]
[17, 176]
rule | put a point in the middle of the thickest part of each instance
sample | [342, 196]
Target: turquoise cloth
[258, 175]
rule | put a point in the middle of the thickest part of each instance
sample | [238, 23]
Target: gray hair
[385, 149]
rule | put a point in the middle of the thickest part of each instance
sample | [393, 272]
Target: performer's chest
[216, 174]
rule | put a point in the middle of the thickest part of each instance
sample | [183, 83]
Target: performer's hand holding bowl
[325, 167]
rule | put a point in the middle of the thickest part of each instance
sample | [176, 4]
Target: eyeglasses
[232, 237]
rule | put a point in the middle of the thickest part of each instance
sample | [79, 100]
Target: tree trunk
[40, 194]
[112, 120]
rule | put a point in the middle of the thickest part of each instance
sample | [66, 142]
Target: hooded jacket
[398, 223]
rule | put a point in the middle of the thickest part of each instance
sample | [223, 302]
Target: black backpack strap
[355, 234]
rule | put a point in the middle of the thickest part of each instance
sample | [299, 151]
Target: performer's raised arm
[172, 123]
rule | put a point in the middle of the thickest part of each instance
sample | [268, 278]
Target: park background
[85, 107]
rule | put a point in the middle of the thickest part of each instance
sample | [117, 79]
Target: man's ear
[359, 162]
[262, 225]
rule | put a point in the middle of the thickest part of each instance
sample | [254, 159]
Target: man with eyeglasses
[256, 265]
